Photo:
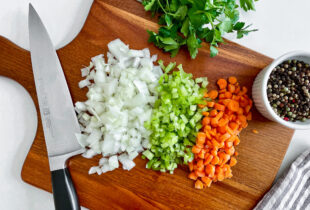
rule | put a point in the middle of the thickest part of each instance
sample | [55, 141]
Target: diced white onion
[121, 94]
[89, 154]
[93, 170]
[103, 161]
[126, 162]
[84, 83]
[113, 161]
[84, 71]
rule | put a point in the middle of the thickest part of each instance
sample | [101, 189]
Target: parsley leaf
[213, 51]
[193, 45]
[189, 22]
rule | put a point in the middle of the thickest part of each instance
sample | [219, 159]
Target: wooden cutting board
[260, 154]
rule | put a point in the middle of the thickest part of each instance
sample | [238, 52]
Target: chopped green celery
[149, 155]
[156, 165]
[161, 63]
[204, 84]
[183, 117]
[175, 119]
[205, 109]
[162, 170]
[199, 80]
[198, 127]
[193, 107]
[170, 67]
[192, 123]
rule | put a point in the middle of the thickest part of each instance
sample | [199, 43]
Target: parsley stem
[210, 20]
[168, 5]
[161, 6]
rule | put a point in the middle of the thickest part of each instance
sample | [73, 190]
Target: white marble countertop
[282, 24]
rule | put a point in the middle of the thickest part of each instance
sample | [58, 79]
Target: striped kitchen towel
[292, 190]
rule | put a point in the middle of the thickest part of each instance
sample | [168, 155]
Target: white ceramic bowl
[259, 90]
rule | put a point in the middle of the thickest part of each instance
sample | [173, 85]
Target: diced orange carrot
[210, 104]
[200, 163]
[191, 166]
[213, 94]
[219, 107]
[232, 80]
[242, 118]
[206, 114]
[209, 144]
[233, 125]
[218, 170]
[244, 90]
[237, 141]
[198, 185]
[208, 135]
[192, 176]
[214, 122]
[215, 160]
[233, 105]
[226, 102]
[249, 116]
[243, 102]
[196, 149]
[214, 152]
[229, 144]
[230, 151]
[222, 129]
[237, 90]
[244, 125]
[200, 173]
[215, 144]
[219, 115]
[231, 88]
[201, 138]
[206, 121]
[235, 97]
[201, 154]
[224, 137]
[247, 108]
[222, 122]
[250, 102]
[255, 131]
[222, 83]
[222, 96]
[200, 167]
[226, 158]
[210, 170]
[228, 95]
[233, 161]
[207, 181]
[213, 113]
[208, 159]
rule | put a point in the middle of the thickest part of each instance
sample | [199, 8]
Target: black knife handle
[65, 197]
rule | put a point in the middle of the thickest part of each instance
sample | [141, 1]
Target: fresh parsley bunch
[190, 22]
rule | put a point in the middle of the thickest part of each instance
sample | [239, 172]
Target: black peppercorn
[288, 90]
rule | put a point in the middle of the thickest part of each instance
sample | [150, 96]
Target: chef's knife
[57, 112]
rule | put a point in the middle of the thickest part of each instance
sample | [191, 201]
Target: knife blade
[59, 120]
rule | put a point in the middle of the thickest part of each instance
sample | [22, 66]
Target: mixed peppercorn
[288, 90]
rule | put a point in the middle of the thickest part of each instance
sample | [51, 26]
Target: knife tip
[30, 6]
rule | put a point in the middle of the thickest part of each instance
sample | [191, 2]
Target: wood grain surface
[260, 154]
